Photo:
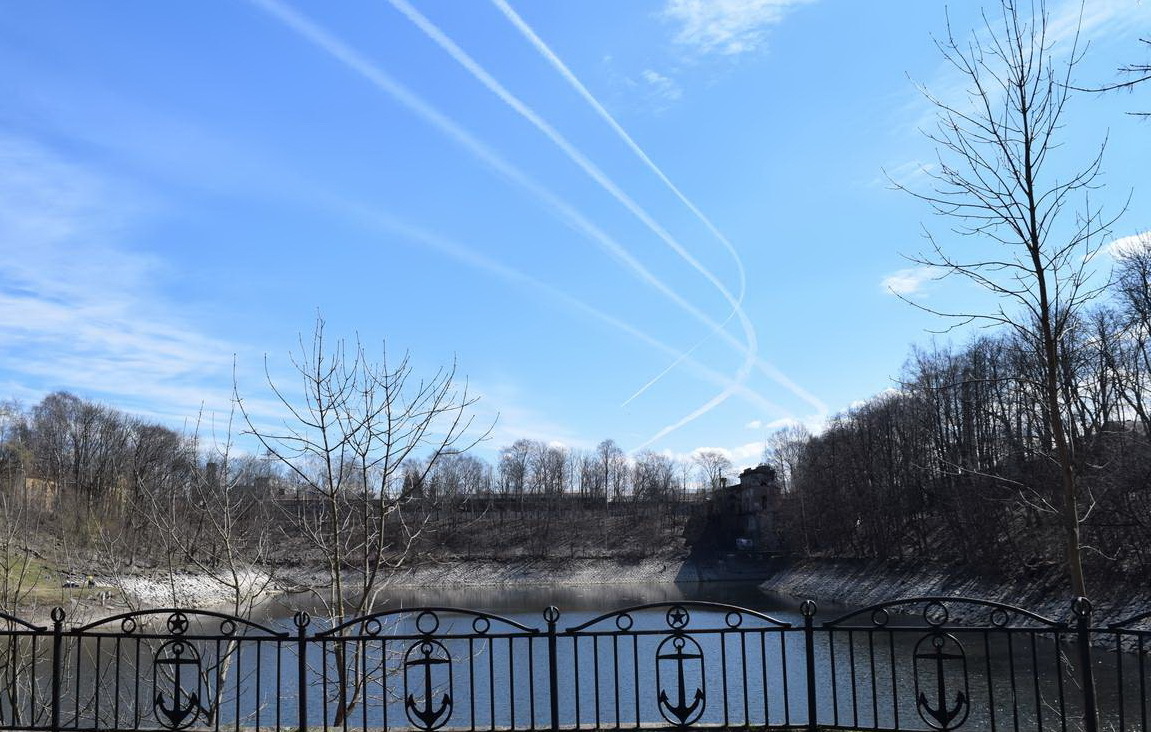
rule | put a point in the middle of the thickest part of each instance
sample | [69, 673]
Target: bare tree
[513, 468]
[77, 444]
[1134, 315]
[999, 181]
[783, 451]
[611, 470]
[350, 429]
[653, 477]
[19, 519]
[712, 466]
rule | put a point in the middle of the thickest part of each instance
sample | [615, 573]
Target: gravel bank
[156, 589]
[190, 590]
[863, 583]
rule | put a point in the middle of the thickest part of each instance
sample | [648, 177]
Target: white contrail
[576, 84]
[356, 62]
[750, 349]
[680, 358]
[407, 232]
[591, 169]
[544, 50]
[480, 74]
[573, 80]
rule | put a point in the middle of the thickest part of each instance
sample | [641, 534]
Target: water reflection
[679, 662]
[527, 602]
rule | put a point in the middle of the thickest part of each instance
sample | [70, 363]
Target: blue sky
[663, 222]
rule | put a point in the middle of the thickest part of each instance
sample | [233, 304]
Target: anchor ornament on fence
[680, 656]
[428, 665]
[941, 655]
[176, 684]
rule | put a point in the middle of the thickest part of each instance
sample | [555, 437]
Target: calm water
[526, 603]
[717, 668]
[753, 673]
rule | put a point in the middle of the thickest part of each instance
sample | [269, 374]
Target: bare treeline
[957, 463]
[89, 478]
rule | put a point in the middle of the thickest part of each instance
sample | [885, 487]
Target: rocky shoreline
[836, 582]
[861, 583]
[149, 589]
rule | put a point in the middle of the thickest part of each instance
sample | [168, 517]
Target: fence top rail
[677, 616]
[937, 611]
[178, 621]
[427, 622]
[1129, 623]
[24, 624]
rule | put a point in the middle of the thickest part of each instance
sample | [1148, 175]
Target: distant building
[745, 514]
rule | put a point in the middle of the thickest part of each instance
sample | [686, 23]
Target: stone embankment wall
[196, 590]
[861, 583]
[538, 572]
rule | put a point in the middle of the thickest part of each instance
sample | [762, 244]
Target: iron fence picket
[907, 664]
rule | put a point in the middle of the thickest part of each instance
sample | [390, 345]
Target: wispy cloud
[1070, 25]
[907, 282]
[906, 175]
[742, 456]
[1096, 19]
[726, 27]
[662, 88]
[79, 312]
[1128, 245]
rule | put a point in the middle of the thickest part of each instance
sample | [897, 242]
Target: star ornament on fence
[677, 617]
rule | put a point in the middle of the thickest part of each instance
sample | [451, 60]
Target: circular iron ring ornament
[552, 614]
[734, 619]
[623, 621]
[481, 625]
[427, 622]
[935, 614]
[999, 617]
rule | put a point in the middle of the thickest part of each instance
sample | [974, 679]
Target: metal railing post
[301, 621]
[552, 616]
[1081, 608]
[808, 609]
[57, 663]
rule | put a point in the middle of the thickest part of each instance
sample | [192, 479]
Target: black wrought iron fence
[911, 664]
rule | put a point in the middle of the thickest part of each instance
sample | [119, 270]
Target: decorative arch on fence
[924, 663]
